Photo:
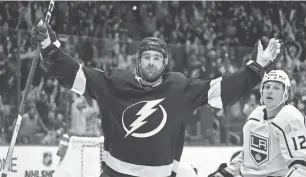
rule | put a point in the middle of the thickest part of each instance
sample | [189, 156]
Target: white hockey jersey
[275, 147]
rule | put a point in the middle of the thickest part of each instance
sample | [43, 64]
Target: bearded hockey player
[143, 115]
[274, 135]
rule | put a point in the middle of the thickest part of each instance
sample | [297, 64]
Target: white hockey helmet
[277, 76]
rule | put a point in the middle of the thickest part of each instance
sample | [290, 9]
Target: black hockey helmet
[152, 43]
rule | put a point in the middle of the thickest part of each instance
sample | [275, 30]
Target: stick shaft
[24, 98]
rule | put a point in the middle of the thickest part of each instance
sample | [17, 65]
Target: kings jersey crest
[259, 148]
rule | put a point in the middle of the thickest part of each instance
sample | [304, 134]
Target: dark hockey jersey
[142, 125]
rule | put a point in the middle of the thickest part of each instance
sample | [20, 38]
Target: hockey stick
[24, 98]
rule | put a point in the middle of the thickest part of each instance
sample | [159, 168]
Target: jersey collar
[140, 83]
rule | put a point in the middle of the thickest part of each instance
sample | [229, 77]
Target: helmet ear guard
[287, 96]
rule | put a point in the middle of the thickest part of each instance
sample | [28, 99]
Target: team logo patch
[47, 159]
[144, 119]
[259, 148]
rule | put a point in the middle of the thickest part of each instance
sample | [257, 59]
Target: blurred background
[206, 40]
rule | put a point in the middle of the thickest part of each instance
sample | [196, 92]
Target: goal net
[83, 158]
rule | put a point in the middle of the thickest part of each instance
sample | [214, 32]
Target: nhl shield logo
[47, 159]
[259, 148]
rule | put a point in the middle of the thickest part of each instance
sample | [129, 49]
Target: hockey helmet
[153, 43]
[277, 76]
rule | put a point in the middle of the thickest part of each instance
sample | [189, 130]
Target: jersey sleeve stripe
[176, 166]
[214, 93]
[79, 84]
[284, 138]
[57, 43]
[135, 169]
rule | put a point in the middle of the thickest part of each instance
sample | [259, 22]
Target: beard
[151, 73]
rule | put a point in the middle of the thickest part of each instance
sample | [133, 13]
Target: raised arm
[228, 90]
[70, 74]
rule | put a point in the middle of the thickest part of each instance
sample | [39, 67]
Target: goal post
[83, 157]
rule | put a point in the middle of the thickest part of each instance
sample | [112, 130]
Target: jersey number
[301, 140]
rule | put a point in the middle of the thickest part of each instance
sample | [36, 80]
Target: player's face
[272, 94]
[151, 65]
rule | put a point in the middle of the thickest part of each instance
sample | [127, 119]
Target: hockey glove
[263, 60]
[221, 172]
[43, 35]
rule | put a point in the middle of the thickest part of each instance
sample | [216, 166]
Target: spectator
[250, 105]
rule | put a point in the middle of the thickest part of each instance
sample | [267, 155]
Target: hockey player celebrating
[274, 136]
[143, 115]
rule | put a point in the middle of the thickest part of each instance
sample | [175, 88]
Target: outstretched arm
[70, 74]
[228, 90]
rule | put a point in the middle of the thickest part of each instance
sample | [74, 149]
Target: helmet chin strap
[270, 109]
[283, 101]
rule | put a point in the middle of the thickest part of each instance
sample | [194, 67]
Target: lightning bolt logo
[143, 113]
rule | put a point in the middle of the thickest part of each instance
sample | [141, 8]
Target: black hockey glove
[221, 172]
[44, 35]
